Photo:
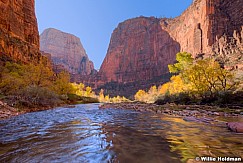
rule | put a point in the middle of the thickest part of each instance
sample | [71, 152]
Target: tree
[88, 91]
[207, 77]
[164, 89]
[153, 90]
[199, 79]
[152, 94]
[184, 60]
[33, 84]
[140, 95]
[101, 96]
[38, 75]
[15, 77]
[177, 85]
[107, 98]
[62, 84]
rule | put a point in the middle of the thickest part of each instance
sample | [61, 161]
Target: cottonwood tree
[207, 77]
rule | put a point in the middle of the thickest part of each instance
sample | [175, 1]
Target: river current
[87, 134]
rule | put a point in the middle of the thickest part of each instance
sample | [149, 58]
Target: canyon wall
[66, 52]
[141, 48]
[211, 28]
[19, 37]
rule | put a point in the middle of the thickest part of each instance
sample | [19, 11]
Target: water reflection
[87, 134]
[199, 139]
[134, 139]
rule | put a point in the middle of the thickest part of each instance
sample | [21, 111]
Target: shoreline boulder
[235, 126]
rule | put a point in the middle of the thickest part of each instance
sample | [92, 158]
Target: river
[88, 134]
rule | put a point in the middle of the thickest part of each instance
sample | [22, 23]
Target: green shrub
[181, 98]
[73, 98]
[235, 98]
[86, 100]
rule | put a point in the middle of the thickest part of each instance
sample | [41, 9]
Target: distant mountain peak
[66, 50]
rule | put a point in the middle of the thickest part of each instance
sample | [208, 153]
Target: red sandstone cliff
[139, 50]
[211, 27]
[19, 37]
[66, 50]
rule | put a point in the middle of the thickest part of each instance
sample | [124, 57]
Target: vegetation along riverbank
[35, 87]
[198, 88]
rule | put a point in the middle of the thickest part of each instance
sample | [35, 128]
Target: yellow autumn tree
[33, 85]
[107, 98]
[177, 85]
[184, 60]
[164, 89]
[88, 91]
[62, 84]
[39, 75]
[203, 78]
[101, 96]
[140, 95]
[207, 78]
[152, 94]
[124, 99]
[12, 78]
[15, 77]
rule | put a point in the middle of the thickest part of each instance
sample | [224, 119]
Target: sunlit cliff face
[66, 50]
[19, 33]
[141, 48]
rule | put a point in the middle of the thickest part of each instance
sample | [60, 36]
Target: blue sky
[94, 20]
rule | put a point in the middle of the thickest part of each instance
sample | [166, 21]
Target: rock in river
[235, 126]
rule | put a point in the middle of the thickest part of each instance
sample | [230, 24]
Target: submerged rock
[195, 119]
[191, 119]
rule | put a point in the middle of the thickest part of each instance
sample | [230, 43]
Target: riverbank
[194, 113]
[177, 110]
[7, 111]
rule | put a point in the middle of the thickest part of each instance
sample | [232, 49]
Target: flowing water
[88, 134]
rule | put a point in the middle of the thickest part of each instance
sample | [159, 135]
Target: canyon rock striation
[19, 37]
[210, 28]
[66, 52]
[141, 48]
